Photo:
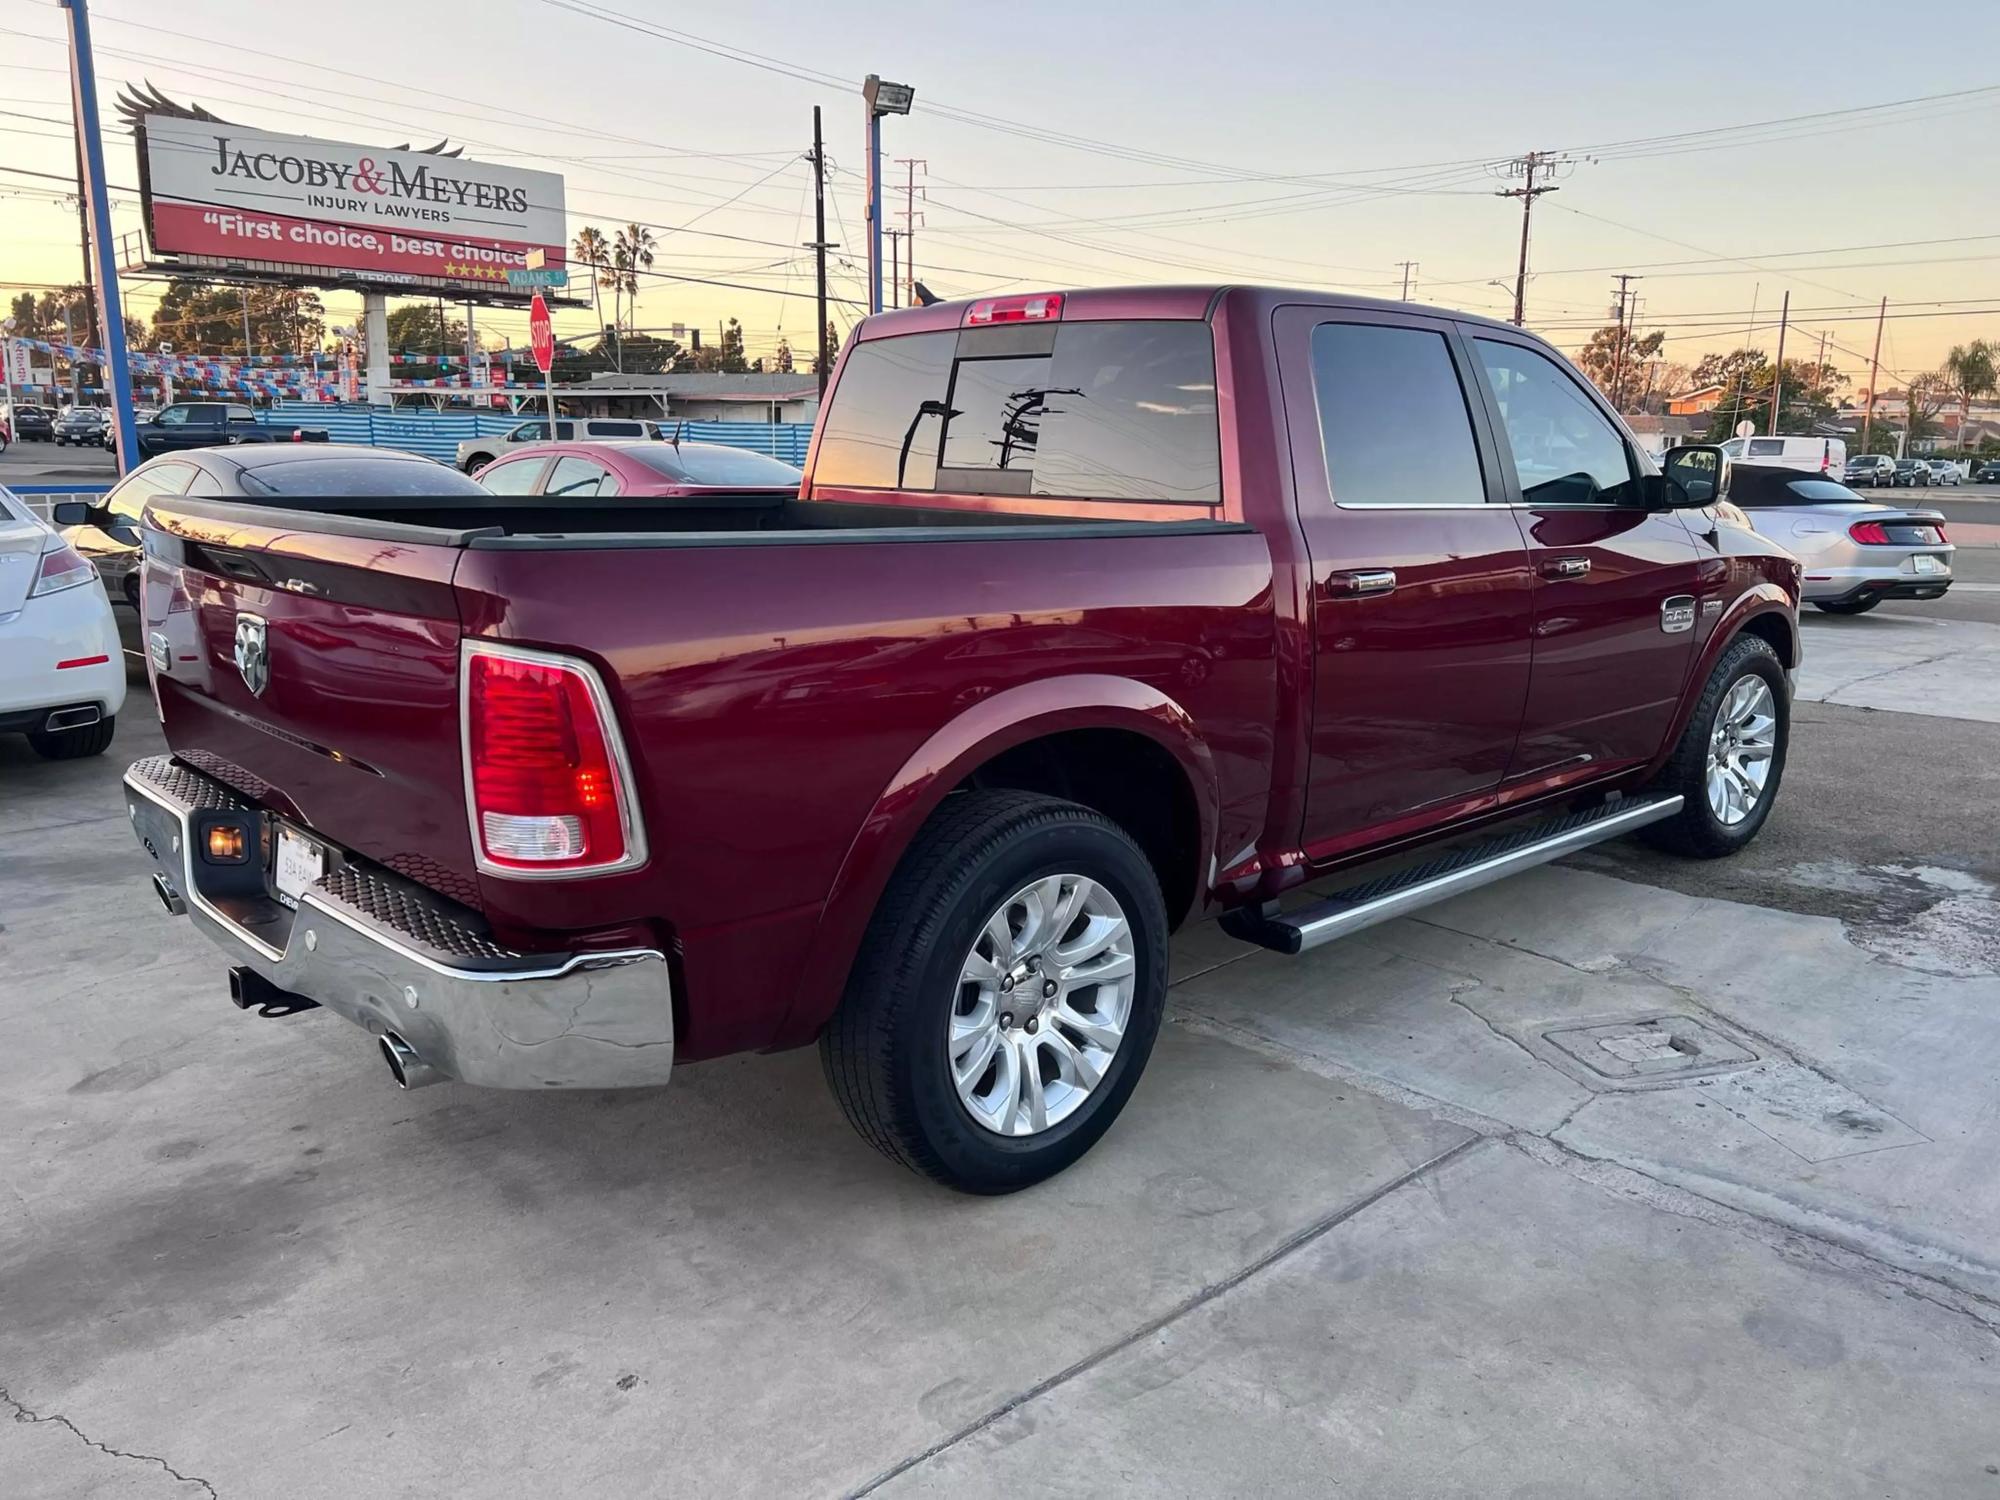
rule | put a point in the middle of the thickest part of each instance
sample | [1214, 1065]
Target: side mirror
[1691, 477]
[83, 513]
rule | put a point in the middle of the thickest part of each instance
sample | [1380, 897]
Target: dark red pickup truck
[1095, 613]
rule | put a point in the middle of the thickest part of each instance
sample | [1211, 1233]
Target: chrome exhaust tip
[72, 718]
[169, 897]
[409, 1070]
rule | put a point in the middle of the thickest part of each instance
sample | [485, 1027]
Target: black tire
[1859, 606]
[1695, 830]
[885, 1049]
[74, 744]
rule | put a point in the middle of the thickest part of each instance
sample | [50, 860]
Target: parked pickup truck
[1095, 614]
[212, 424]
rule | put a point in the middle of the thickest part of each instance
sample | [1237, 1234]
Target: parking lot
[1625, 1176]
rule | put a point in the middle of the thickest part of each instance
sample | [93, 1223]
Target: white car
[475, 454]
[62, 669]
[1813, 455]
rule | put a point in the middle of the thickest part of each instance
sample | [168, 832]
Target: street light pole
[110, 314]
[879, 99]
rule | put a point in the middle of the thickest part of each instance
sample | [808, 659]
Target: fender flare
[963, 744]
[1759, 599]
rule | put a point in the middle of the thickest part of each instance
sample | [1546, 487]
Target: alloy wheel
[1740, 747]
[1044, 997]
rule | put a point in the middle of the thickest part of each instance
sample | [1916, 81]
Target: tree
[830, 342]
[1615, 360]
[593, 251]
[781, 362]
[197, 317]
[423, 328]
[1973, 370]
[1928, 395]
[632, 253]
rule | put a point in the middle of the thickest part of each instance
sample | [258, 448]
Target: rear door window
[514, 477]
[1088, 410]
[1767, 447]
[616, 429]
[1393, 418]
[577, 478]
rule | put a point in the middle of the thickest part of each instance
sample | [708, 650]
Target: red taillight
[546, 779]
[1043, 308]
[1869, 532]
[62, 567]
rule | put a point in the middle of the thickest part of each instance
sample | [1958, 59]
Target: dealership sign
[251, 196]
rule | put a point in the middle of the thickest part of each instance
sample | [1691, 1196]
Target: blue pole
[874, 210]
[110, 311]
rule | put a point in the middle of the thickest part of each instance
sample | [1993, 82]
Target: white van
[1818, 455]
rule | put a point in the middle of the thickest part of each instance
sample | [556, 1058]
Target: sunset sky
[1079, 144]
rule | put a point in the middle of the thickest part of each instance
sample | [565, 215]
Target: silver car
[1856, 552]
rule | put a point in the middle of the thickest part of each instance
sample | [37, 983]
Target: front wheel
[1731, 757]
[1007, 994]
[1859, 606]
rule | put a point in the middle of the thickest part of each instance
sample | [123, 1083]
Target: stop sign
[541, 337]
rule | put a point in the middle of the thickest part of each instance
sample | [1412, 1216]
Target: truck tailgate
[316, 671]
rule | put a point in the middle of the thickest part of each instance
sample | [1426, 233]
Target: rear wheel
[1859, 606]
[1007, 994]
[1731, 756]
[74, 744]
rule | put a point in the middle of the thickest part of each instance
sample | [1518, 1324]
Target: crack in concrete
[1286, 1247]
[1455, 995]
[23, 1415]
[1611, 1175]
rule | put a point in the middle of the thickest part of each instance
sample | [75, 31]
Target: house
[696, 397]
[1656, 434]
[1697, 402]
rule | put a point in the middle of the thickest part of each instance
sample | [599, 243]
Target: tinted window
[204, 483]
[1392, 417]
[1767, 448]
[881, 429]
[575, 478]
[1565, 450]
[355, 476]
[1122, 411]
[1117, 411]
[690, 464]
[616, 429]
[515, 477]
[537, 432]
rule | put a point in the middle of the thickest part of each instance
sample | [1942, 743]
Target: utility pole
[1526, 167]
[1778, 371]
[894, 296]
[819, 248]
[909, 164]
[1408, 266]
[89, 278]
[1625, 279]
[1874, 374]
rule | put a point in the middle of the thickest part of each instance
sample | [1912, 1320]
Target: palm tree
[637, 244]
[1974, 370]
[593, 250]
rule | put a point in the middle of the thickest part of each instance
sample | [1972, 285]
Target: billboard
[220, 193]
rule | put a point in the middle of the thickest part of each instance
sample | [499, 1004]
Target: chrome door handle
[1361, 581]
[1566, 567]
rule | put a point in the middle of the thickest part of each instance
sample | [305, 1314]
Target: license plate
[1928, 564]
[298, 863]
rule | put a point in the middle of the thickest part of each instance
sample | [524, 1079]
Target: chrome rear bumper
[398, 960]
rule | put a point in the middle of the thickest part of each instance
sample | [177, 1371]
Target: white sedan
[62, 670]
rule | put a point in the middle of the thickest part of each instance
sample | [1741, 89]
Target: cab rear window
[1090, 410]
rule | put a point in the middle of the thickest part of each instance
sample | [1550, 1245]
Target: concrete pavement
[1627, 1176]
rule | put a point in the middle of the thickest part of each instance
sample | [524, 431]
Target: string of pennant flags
[280, 374]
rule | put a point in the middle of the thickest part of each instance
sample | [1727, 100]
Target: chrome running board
[1463, 869]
